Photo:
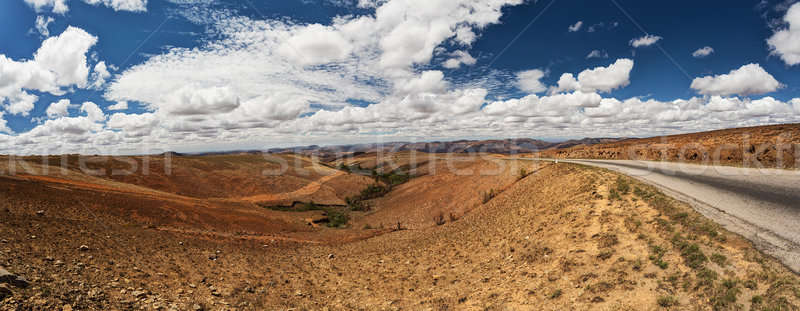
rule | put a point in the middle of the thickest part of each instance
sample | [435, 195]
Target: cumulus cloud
[600, 79]
[4, 125]
[576, 27]
[57, 6]
[529, 81]
[122, 5]
[647, 40]
[60, 62]
[703, 52]
[123, 105]
[58, 109]
[597, 54]
[42, 24]
[99, 75]
[65, 55]
[786, 42]
[60, 6]
[749, 79]
[458, 58]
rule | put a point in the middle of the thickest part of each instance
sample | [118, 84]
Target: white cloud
[94, 113]
[786, 42]
[60, 6]
[4, 126]
[529, 81]
[122, 5]
[58, 109]
[59, 62]
[315, 44]
[65, 56]
[749, 79]
[601, 79]
[703, 52]
[597, 54]
[191, 100]
[647, 40]
[123, 105]
[42, 24]
[99, 75]
[576, 27]
[458, 58]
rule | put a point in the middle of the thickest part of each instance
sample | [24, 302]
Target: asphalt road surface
[763, 205]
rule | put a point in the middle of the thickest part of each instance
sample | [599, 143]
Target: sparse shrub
[453, 217]
[623, 186]
[337, 219]
[719, 259]
[757, 300]
[439, 219]
[614, 195]
[637, 265]
[488, 196]
[725, 295]
[667, 301]
[605, 255]
[691, 253]
[751, 284]
[523, 173]
[555, 294]
[657, 256]
[706, 277]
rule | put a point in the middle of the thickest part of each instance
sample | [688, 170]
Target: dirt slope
[566, 237]
[767, 146]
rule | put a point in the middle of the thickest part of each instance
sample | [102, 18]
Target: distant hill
[504, 146]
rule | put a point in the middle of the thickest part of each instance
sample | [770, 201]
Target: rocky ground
[565, 237]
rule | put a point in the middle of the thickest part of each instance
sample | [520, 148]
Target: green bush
[667, 301]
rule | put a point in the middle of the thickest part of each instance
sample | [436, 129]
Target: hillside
[564, 237]
[767, 146]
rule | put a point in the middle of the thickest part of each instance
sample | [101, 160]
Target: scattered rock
[139, 294]
[84, 248]
[197, 307]
[331, 256]
[12, 279]
[66, 308]
[5, 291]
[3, 241]
[40, 212]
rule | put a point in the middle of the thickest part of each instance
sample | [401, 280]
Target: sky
[147, 76]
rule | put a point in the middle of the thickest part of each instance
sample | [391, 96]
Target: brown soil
[565, 237]
[776, 146]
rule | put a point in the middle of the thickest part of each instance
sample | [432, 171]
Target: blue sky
[117, 76]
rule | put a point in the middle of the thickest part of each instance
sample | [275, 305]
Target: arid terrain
[774, 146]
[393, 231]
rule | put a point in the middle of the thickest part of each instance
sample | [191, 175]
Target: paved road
[762, 205]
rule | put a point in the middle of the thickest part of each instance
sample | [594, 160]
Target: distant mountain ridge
[501, 146]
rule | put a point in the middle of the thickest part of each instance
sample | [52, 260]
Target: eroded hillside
[564, 237]
[774, 146]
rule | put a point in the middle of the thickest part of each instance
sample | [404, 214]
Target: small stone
[66, 308]
[331, 256]
[48, 258]
[180, 243]
[12, 279]
[40, 212]
[197, 307]
[83, 248]
[3, 241]
[58, 263]
[139, 294]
